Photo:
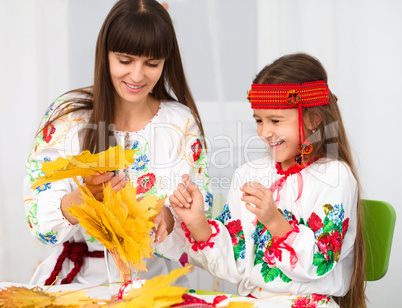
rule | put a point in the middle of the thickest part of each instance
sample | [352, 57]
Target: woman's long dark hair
[300, 68]
[135, 27]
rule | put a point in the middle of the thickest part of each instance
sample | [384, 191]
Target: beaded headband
[291, 95]
[288, 95]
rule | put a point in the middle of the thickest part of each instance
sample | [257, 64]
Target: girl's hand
[260, 202]
[188, 203]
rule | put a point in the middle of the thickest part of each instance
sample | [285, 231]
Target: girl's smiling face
[279, 128]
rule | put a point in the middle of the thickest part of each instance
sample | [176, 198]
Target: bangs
[144, 35]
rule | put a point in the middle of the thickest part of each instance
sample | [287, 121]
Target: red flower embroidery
[323, 246]
[318, 297]
[145, 183]
[196, 148]
[315, 222]
[303, 302]
[48, 131]
[336, 241]
[345, 227]
[234, 227]
[235, 240]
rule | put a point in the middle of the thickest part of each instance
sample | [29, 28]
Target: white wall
[47, 48]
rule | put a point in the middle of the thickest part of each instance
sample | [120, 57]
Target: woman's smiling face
[134, 77]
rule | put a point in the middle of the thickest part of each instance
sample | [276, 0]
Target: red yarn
[76, 253]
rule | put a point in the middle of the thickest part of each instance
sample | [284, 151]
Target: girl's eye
[258, 121]
[275, 121]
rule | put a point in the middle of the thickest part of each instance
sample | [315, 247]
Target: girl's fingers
[180, 198]
[251, 199]
[251, 208]
[184, 192]
[174, 202]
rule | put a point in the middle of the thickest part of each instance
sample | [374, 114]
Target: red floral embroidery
[318, 297]
[145, 183]
[201, 245]
[197, 149]
[315, 222]
[345, 226]
[48, 131]
[303, 302]
[336, 241]
[234, 227]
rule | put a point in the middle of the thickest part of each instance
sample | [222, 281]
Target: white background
[47, 48]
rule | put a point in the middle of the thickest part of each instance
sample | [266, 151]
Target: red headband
[291, 95]
[288, 95]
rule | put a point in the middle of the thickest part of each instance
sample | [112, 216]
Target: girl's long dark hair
[136, 27]
[300, 68]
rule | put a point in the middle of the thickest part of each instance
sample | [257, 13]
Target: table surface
[104, 292]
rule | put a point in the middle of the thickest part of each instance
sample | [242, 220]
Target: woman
[140, 99]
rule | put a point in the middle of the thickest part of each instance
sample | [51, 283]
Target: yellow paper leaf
[85, 164]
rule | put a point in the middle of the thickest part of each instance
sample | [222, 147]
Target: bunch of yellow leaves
[121, 223]
[84, 164]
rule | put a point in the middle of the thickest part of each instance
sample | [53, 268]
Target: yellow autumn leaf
[85, 164]
[77, 298]
[24, 297]
[156, 292]
[121, 223]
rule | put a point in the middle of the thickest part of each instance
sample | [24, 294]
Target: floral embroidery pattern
[266, 255]
[310, 301]
[140, 163]
[196, 148]
[329, 234]
[225, 214]
[48, 131]
[49, 237]
[145, 183]
[209, 199]
[239, 244]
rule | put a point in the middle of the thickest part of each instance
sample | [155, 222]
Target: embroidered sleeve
[42, 205]
[201, 245]
[326, 234]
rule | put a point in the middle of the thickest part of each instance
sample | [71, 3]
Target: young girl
[140, 100]
[293, 233]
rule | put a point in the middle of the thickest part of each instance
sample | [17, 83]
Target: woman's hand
[163, 225]
[95, 185]
[188, 203]
[260, 202]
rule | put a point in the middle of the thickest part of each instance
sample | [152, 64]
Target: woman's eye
[151, 64]
[258, 121]
[275, 121]
[125, 61]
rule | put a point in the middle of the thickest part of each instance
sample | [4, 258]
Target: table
[104, 292]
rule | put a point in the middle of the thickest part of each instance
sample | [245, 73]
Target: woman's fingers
[98, 178]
